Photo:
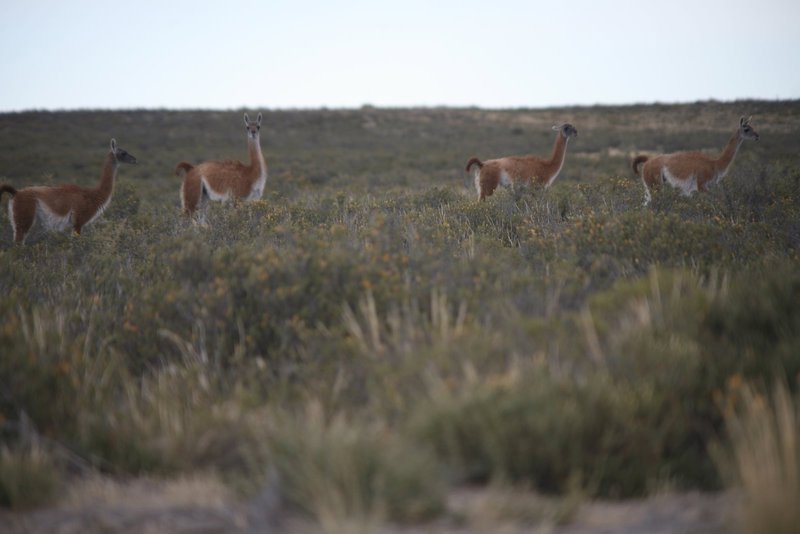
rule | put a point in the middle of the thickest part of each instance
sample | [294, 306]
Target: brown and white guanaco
[62, 206]
[224, 180]
[691, 171]
[522, 169]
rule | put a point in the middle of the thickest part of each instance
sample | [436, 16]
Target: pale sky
[302, 54]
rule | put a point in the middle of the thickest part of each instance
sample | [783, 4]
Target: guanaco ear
[742, 121]
[246, 120]
[556, 127]
[258, 119]
[113, 145]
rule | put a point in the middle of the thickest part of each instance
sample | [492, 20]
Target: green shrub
[640, 402]
[546, 432]
[756, 325]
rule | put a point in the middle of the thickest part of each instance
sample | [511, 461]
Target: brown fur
[220, 180]
[78, 205]
[690, 171]
[183, 166]
[638, 160]
[522, 169]
[474, 161]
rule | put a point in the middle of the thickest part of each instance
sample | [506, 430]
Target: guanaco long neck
[559, 153]
[723, 162]
[257, 162]
[106, 186]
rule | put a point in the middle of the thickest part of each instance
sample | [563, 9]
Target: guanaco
[224, 180]
[522, 169]
[59, 207]
[691, 171]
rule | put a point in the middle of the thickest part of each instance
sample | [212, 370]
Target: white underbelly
[258, 188]
[51, 220]
[215, 195]
[687, 187]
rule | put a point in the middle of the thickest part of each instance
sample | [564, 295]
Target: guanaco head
[745, 130]
[252, 127]
[567, 130]
[120, 154]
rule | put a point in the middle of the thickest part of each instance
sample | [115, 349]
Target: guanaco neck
[257, 162]
[106, 186]
[559, 153]
[728, 153]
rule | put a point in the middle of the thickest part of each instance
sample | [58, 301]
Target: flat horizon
[401, 107]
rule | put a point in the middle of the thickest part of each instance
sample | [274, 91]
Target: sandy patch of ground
[205, 505]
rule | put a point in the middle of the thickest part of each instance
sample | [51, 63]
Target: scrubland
[368, 344]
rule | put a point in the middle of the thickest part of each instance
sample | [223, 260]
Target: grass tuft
[765, 461]
[337, 470]
[29, 477]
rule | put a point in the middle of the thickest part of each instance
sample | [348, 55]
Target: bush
[546, 432]
[635, 401]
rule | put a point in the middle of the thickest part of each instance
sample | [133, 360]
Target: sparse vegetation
[368, 335]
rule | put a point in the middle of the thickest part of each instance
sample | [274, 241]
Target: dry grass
[502, 507]
[28, 477]
[766, 459]
[350, 475]
[204, 490]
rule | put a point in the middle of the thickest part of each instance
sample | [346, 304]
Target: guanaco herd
[60, 207]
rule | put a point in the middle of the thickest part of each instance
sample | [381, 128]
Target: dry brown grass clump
[766, 460]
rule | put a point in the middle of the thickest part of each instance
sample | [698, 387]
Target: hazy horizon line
[399, 107]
